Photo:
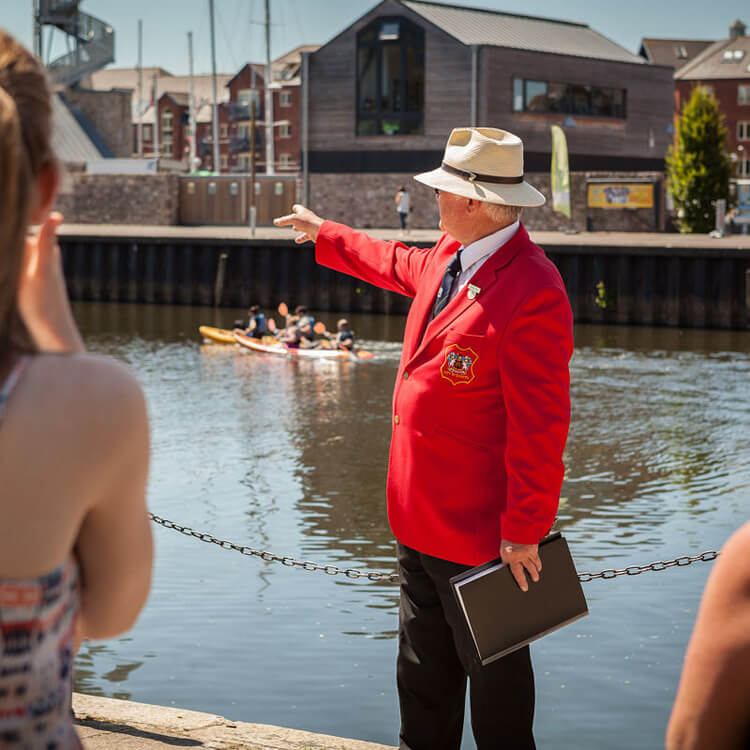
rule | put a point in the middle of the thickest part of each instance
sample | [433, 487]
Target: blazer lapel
[425, 298]
[484, 278]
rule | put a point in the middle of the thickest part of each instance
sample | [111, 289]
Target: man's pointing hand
[302, 220]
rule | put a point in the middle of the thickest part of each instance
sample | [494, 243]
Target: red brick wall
[293, 113]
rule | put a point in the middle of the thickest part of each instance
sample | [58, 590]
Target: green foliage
[698, 167]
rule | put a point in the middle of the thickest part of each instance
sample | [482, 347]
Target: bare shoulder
[93, 385]
[732, 573]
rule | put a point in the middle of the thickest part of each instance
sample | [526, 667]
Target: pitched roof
[672, 52]
[69, 141]
[727, 58]
[498, 29]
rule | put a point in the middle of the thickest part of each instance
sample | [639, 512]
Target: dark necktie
[446, 287]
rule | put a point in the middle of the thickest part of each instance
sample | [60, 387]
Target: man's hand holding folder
[521, 558]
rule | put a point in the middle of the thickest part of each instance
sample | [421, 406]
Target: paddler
[256, 324]
[345, 335]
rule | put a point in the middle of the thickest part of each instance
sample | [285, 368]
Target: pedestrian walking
[403, 205]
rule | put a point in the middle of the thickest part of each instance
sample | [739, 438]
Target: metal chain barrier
[333, 570]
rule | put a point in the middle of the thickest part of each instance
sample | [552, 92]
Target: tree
[698, 167]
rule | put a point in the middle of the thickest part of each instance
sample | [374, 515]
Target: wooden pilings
[662, 286]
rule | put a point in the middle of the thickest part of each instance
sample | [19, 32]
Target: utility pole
[140, 88]
[217, 163]
[37, 30]
[191, 109]
[253, 214]
[269, 96]
[157, 124]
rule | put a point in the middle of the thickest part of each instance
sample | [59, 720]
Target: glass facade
[568, 98]
[390, 78]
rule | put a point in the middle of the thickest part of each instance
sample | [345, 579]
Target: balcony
[238, 112]
[205, 146]
[239, 144]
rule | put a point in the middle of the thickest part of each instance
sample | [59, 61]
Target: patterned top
[37, 620]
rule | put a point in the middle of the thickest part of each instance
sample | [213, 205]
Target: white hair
[500, 213]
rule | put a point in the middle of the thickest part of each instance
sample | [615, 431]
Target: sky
[240, 35]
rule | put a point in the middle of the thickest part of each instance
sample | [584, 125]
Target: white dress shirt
[475, 254]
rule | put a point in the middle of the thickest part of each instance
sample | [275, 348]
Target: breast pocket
[465, 360]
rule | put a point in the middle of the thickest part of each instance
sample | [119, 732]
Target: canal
[291, 457]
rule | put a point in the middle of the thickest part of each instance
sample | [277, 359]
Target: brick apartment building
[724, 68]
[168, 104]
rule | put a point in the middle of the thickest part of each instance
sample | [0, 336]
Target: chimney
[737, 29]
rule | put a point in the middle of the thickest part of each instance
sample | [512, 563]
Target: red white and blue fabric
[37, 621]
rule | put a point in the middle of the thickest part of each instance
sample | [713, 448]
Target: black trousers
[435, 656]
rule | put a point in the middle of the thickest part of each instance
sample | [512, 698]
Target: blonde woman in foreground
[75, 541]
[712, 708]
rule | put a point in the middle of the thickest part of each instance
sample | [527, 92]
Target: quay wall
[692, 287]
[366, 200]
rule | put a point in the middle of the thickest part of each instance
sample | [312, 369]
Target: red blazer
[481, 406]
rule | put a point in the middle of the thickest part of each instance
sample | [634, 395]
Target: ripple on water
[290, 456]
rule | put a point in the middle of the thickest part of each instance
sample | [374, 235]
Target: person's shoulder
[734, 560]
[87, 382]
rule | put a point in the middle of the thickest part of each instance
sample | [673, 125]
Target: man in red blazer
[481, 410]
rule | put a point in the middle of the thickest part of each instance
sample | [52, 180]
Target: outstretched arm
[388, 265]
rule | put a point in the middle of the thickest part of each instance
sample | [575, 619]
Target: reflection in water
[291, 456]
[86, 679]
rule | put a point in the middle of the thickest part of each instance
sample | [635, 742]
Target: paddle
[320, 327]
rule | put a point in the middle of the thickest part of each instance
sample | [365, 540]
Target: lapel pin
[473, 291]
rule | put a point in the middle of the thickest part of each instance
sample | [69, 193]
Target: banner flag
[559, 173]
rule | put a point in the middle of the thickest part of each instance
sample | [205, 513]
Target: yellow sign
[620, 195]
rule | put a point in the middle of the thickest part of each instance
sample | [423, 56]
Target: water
[291, 457]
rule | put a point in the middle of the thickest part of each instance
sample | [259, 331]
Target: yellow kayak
[219, 335]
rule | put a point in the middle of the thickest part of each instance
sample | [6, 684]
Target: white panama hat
[485, 164]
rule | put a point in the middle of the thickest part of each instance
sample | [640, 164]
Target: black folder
[501, 618]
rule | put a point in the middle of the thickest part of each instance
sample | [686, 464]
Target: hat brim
[519, 194]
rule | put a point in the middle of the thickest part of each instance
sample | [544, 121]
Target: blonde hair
[25, 150]
[500, 213]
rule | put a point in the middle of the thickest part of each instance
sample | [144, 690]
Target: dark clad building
[385, 93]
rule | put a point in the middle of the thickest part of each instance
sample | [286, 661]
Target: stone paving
[107, 724]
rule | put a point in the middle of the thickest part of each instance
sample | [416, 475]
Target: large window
[568, 98]
[390, 78]
[167, 124]
[743, 94]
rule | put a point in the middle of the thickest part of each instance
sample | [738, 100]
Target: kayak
[258, 345]
[218, 335]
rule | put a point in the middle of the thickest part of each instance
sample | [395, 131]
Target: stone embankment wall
[118, 199]
[367, 200]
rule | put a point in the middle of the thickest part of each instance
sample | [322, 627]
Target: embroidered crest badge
[458, 365]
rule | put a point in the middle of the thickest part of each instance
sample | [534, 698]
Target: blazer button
[397, 419]
[406, 374]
